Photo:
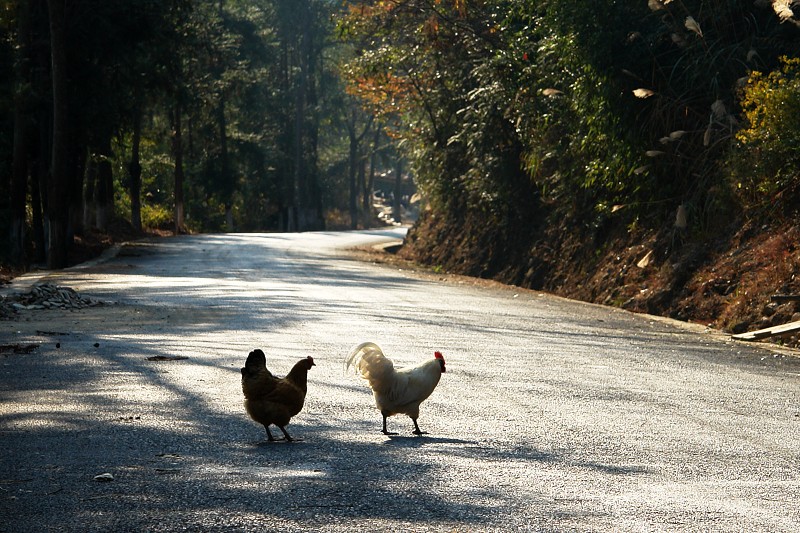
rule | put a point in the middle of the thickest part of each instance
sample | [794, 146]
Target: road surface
[553, 415]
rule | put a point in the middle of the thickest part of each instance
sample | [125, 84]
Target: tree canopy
[192, 115]
[516, 116]
[273, 114]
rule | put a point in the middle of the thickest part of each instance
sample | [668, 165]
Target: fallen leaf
[168, 470]
[167, 358]
[644, 261]
[18, 348]
[551, 92]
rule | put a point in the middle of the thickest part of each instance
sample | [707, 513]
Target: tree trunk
[177, 153]
[39, 190]
[351, 174]
[226, 180]
[316, 215]
[286, 175]
[104, 192]
[89, 207]
[77, 177]
[135, 172]
[398, 191]
[307, 124]
[19, 185]
[21, 167]
[299, 162]
[353, 160]
[362, 185]
[57, 211]
[370, 182]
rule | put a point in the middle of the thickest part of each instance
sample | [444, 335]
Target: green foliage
[591, 106]
[252, 83]
[769, 158]
[505, 110]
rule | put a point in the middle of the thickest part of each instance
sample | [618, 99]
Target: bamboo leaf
[643, 93]
[718, 109]
[681, 217]
[678, 40]
[692, 25]
[783, 9]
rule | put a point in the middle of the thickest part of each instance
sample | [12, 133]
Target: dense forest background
[544, 136]
[188, 115]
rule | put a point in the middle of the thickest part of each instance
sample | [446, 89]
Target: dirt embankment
[724, 281]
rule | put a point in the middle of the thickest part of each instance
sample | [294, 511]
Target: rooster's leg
[416, 428]
[269, 434]
[385, 432]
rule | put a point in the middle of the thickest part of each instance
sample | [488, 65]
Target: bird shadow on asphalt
[415, 441]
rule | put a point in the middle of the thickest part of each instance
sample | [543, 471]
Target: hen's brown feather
[257, 380]
[272, 400]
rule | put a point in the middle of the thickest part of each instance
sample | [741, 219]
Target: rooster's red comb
[438, 355]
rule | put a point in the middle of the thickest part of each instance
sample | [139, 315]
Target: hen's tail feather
[256, 360]
[368, 361]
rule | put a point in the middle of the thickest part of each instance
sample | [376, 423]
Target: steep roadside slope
[724, 281]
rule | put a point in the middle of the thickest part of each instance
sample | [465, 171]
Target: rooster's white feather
[396, 391]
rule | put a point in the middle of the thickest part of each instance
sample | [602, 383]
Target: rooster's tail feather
[368, 361]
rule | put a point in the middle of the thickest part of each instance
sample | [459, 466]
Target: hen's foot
[289, 438]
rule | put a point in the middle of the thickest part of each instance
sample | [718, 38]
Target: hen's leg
[416, 428]
[385, 432]
[286, 434]
[269, 435]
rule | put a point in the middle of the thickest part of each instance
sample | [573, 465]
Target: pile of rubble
[44, 296]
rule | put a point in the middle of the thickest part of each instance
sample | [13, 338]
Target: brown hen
[272, 400]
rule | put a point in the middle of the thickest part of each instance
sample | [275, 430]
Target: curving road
[553, 415]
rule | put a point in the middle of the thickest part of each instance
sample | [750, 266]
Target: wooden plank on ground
[765, 333]
[785, 297]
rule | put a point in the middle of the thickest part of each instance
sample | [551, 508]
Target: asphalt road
[553, 415]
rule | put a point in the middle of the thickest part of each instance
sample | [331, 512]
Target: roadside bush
[766, 166]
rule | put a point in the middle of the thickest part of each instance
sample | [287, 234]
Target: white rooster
[396, 391]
